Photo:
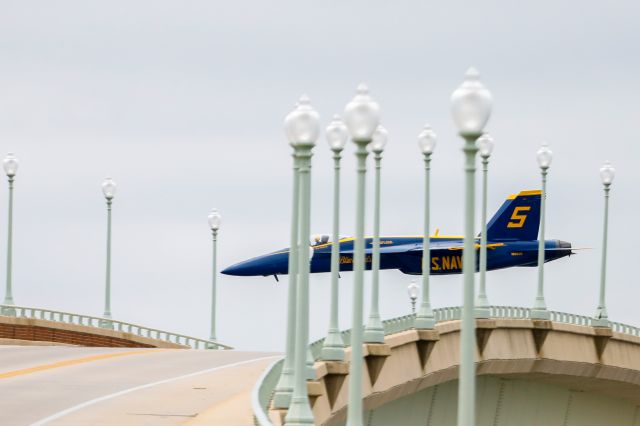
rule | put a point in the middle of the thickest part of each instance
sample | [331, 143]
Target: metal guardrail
[266, 386]
[91, 321]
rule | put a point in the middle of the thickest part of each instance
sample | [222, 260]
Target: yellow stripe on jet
[533, 192]
[491, 246]
[524, 194]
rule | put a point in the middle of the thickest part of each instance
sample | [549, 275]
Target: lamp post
[427, 143]
[539, 310]
[607, 173]
[10, 164]
[485, 146]
[471, 108]
[214, 224]
[413, 291]
[362, 118]
[302, 129]
[374, 332]
[284, 388]
[337, 136]
[109, 190]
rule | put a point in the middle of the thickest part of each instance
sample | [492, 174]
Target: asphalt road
[80, 386]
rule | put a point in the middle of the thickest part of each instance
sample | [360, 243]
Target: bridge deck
[71, 385]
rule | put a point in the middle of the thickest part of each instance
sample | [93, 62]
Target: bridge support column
[427, 340]
[603, 335]
[375, 358]
[484, 328]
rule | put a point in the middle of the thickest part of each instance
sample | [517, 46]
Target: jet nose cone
[271, 264]
[564, 244]
[238, 269]
[243, 269]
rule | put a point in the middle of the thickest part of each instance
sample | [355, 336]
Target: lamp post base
[539, 310]
[538, 313]
[284, 390]
[424, 322]
[8, 310]
[310, 373]
[106, 323]
[482, 312]
[374, 332]
[600, 322]
[482, 309]
[374, 336]
[299, 413]
[425, 318]
[333, 347]
[601, 319]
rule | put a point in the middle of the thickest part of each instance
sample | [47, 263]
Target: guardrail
[91, 321]
[262, 393]
[265, 387]
[625, 329]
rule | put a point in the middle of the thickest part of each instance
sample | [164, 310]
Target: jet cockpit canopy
[320, 239]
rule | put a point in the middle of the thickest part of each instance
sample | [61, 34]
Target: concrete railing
[91, 321]
[263, 393]
[266, 386]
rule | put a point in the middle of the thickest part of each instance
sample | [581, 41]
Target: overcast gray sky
[182, 104]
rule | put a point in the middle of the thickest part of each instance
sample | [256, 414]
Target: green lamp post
[471, 108]
[374, 332]
[284, 388]
[539, 310]
[362, 118]
[337, 136]
[413, 290]
[426, 142]
[607, 173]
[109, 191]
[485, 146]
[10, 165]
[214, 223]
[302, 128]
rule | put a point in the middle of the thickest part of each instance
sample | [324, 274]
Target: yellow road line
[71, 362]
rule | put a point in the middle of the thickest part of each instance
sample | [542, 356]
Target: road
[60, 385]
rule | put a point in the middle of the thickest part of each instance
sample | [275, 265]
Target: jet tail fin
[517, 219]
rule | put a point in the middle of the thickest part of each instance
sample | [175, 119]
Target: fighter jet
[511, 241]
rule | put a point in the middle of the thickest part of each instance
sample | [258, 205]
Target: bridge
[563, 370]
[558, 371]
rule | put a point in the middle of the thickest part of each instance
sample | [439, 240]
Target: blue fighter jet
[511, 241]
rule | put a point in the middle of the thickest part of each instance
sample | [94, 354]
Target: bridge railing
[126, 327]
[625, 329]
[399, 324]
[263, 393]
[266, 386]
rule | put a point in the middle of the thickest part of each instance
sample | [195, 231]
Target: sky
[182, 104]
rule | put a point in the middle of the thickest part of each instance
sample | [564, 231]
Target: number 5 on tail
[518, 218]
